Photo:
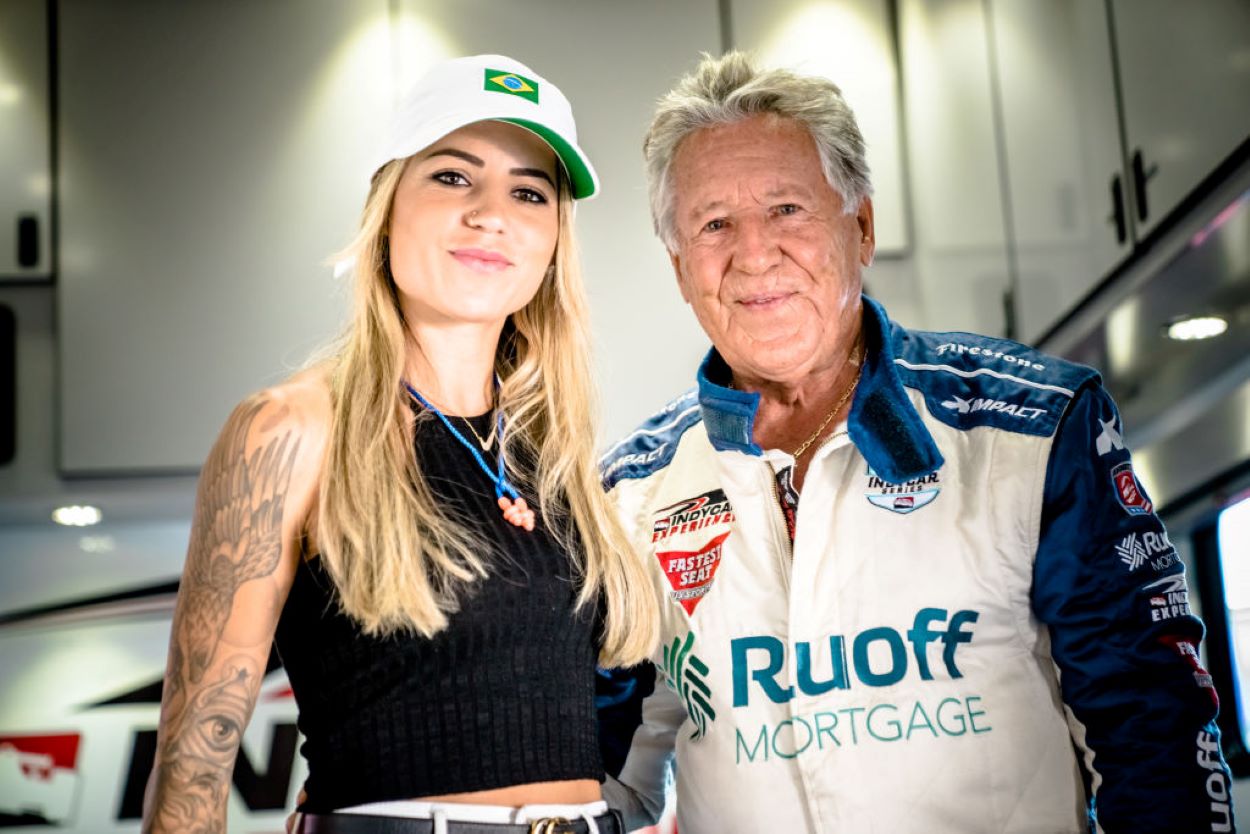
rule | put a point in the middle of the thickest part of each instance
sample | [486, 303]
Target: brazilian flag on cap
[498, 81]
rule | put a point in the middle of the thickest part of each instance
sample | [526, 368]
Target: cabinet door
[25, 178]
[1185, 82]
[851, 43]
[213, 157]
[1056, 89]
[960, 251]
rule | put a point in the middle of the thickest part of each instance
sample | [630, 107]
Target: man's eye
[714, 225]
[530, 195]
[451, 178]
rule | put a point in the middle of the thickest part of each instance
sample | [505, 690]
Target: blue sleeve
[619, 694]
[1111, 587]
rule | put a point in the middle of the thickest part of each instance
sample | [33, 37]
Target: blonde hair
[731, 88]
[398, 561]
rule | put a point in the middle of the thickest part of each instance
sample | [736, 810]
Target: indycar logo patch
[1169, 598]
[690, 573]
[902, 498]
[710, 509]
[1129, 491]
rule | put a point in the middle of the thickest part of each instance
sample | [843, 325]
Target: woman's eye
[451, 178]
[787, 208]
[530, 195]
[714, 225]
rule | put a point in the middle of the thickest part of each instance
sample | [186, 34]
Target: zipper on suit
[780, 531]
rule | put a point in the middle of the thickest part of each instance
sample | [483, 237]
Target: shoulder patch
[969, 380]
[652, 445]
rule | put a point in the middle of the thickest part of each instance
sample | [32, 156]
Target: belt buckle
[551, 825]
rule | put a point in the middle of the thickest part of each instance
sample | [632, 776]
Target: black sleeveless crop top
[503, 696]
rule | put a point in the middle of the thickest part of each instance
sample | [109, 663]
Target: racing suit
[980, 624]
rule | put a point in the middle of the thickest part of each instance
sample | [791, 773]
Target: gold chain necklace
[490, 438]
[841, 402]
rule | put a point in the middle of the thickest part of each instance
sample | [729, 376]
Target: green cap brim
[582, 182]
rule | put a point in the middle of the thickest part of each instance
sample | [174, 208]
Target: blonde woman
[419, 520]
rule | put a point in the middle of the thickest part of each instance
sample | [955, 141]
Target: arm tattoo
[192, 781]
[236, 537]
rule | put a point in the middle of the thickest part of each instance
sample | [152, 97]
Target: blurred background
[176, 174]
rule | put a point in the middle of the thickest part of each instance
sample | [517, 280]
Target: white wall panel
[960, 244]
[851, 43]
[210, 155]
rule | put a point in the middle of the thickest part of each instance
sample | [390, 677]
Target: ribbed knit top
[503, 696]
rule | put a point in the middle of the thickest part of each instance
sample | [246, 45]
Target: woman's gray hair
[731, 88]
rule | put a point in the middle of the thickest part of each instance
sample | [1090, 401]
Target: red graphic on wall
[691, 572]
[38, 778]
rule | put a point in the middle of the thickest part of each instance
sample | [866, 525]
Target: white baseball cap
[479, 88]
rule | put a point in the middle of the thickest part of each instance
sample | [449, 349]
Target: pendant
[517, 512]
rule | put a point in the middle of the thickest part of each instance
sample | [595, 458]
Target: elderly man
[911, 582]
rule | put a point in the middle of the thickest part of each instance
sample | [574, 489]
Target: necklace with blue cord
[515, 509]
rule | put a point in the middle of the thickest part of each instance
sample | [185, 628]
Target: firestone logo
[989, 353]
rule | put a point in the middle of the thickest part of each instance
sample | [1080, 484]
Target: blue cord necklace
[515, 510]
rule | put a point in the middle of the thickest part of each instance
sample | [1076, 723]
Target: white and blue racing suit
[980, 624]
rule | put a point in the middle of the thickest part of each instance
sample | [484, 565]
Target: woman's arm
[254, 497]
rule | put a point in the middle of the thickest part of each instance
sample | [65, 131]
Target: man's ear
[675, 260]
[867, 237]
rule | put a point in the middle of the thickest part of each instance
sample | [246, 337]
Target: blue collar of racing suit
[883, 424]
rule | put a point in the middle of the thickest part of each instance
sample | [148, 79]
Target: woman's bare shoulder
[285, 425]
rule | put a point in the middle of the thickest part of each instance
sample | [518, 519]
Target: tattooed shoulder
[238, 533]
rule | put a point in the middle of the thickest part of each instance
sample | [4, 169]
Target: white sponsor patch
[1134, 550]
[963, 406]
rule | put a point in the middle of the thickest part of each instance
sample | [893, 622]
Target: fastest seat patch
[699, 526]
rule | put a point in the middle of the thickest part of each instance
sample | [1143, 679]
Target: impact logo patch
[1129, 491]
[38, 779]
[902, 498]
[962, 406]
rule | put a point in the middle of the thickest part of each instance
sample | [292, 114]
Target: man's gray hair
[731, 88]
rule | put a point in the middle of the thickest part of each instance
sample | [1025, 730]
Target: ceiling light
[77, 515]
[1197, 327]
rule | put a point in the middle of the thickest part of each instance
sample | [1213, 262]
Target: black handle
[27, 240]
[1117, 210]
[1141, 174]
